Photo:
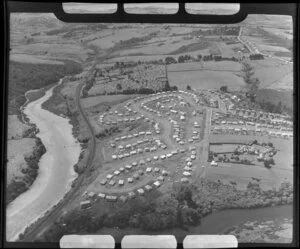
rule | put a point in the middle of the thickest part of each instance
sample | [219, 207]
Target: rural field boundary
[204, 69]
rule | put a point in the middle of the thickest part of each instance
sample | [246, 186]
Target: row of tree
[256, 57]
[199, 57]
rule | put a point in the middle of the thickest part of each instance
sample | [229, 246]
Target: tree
[119, 86]
[199, 57]
[170, 60]
[181, 59]
[188, 87]
[267, 164]
[224, 89]
[248, 72]
[278, 108]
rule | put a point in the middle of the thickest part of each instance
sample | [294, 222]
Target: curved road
[40, 226]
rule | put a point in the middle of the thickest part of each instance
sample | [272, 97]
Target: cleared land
[16, 161]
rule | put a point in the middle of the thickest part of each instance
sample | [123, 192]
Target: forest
[26, 76]
[184, 207]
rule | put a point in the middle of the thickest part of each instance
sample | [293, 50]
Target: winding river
[55, 173]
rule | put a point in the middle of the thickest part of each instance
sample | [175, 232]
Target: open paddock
[206, 80]
[106, 100]
[242, 174]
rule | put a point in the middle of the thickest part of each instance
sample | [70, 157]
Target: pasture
[205, 80]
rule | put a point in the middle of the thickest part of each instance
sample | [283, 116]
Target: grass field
[16, 162]
[205, 80]
[28, 58]
[273, 96]
[15, 128]
[273, 74]
[105, 99]
[208, 65]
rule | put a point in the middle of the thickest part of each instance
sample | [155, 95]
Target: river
[55, 173]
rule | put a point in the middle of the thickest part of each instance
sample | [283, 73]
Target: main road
[254, 50]
[41, 225]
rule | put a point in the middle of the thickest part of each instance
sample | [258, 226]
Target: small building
[130, 180]
[184, 180]
[91, 194]
[156, 169]
[123, 198]
[185, 173]
[117, 172]
[128, 166]
[109, 176]
[103, 182]
[160, 178]
[148, 187]
[156, 184]
[85, 204]
[213, 163]
[121, 182]
[131, 195]
[164, 173]
[141, 191]
[112, 183]
[112, 198]
[148, 170]
[101, 195]
[186, 168]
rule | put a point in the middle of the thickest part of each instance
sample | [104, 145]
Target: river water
[55, 173]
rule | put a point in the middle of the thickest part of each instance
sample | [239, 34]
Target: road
[204, 145]
[254, 50]
[41, 225]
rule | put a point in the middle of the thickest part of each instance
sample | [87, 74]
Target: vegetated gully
[40, 226]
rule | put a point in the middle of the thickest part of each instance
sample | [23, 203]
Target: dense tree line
[183, 207]
[221, 58]
[252, 82]
[26, 76]
[256, 57]
[133, 41]
[221, 30]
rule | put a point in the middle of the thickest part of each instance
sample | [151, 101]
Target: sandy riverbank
[55, 173]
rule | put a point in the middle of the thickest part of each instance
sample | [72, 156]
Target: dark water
[214, 223]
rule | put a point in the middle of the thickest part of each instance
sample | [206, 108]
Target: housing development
[146, 129]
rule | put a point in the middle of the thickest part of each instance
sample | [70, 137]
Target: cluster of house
[92, 196]
[128, 150]
[178, 134]
[109, 180]
[194, 96]
[121, 120]
[248, 127]
[158, 99]
[252, 149]
[188, 167]
[130, 136]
